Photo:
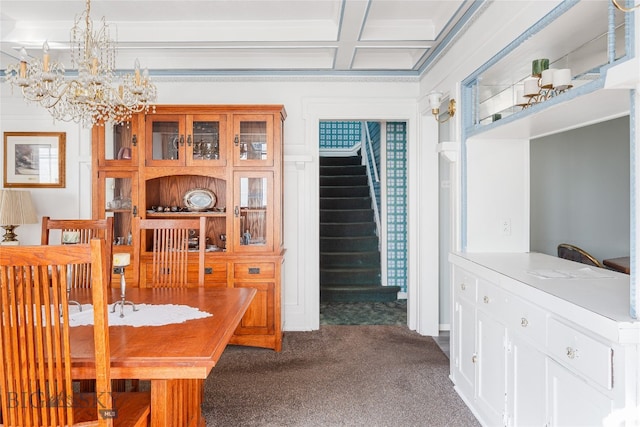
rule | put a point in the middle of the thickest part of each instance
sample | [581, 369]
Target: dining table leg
[177, 403]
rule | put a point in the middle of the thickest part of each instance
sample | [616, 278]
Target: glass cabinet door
[205, 140]
[165, 140]
[117, 143]
[253, 212]
[118, 200]
[253, 140]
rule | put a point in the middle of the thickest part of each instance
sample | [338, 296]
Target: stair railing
[368, 159]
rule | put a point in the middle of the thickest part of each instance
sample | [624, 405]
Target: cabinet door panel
[253, 140]
[165, 140]
[527, 383]
[259, 318]
[573, 402]
[463, 347]
[491, 369]
[253, 212]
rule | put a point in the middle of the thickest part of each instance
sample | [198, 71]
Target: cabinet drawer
[526, 320]
[254, 270]
[464, 285]
[214, 273]
[587, 356]
[492, 299]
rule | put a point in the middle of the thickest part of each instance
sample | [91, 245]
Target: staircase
[349, 254]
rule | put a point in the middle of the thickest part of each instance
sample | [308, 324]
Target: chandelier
[91, 97]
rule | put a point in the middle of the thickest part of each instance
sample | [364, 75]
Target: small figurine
[246, 238]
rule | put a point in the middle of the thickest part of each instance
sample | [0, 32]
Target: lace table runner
[147, 315]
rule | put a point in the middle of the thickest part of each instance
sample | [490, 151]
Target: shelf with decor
[557, 62]
[223, 163]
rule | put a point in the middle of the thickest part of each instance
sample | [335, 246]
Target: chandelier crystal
[91, 97]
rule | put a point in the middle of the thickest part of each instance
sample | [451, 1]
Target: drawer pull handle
[572, 353]
[474, 358]
[463, 286]
[524, 322]
[208, 270]
[486, 299]
[254, 270]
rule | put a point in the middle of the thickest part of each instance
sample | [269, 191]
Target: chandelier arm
[624, 9]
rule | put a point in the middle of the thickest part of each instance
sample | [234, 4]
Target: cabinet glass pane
[118, 139]
[119, 206]
[253, 140]
[166, 139]
[253, 211]
[206, 140]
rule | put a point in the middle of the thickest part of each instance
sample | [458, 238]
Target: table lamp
[15, 209]
[120, 261]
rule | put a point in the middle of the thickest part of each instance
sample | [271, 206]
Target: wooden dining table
[176, 358]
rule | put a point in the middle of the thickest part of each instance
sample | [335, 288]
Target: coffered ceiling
[200, 37]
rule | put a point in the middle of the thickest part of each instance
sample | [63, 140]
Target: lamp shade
[16, 208]
[435, 98]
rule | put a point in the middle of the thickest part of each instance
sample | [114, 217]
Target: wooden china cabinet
[223, 162]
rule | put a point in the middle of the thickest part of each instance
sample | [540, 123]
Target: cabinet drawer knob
[236, 140]
[254, 270]
[181, 140]
[572, 353]
[463, 286]
[524, 322]
[189, 140]
[474, 358]
[486, 299]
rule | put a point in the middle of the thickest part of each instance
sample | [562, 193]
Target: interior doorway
[379, 149]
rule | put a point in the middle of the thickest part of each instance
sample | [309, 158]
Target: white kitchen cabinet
[545, 351]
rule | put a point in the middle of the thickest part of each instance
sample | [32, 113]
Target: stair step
[350, 276]
[349, 244]
[345, 202]
[359, 293]
[347, 229]
[344, 190]
[349, 259]
[343, 170]
[342, 180]
[345, 215]
[337, 161]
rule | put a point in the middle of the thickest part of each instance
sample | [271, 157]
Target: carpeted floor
[363, 313]
[383, 375]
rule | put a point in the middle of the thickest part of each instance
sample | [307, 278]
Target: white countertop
[590, 296]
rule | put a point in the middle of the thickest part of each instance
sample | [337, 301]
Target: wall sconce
[435, 99]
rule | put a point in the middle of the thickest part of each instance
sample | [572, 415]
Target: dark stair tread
[359, 294]
[348, 170]
[340, 160]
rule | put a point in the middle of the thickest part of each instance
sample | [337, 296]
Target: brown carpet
[382, 375]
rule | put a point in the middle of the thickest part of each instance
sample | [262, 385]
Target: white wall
[346, 99]
[580, 183]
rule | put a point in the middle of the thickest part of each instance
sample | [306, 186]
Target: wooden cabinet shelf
[232, 151]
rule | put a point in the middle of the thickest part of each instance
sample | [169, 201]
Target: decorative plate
[199, 199]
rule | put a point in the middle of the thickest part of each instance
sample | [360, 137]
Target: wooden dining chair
[55, 230]
[574, 253]
[168, 241]
[35, 361]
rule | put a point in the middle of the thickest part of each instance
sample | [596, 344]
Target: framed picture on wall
[34, 159]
